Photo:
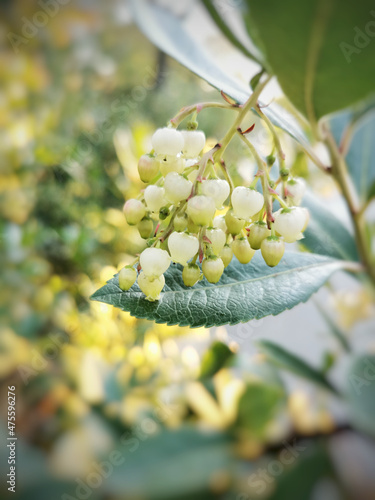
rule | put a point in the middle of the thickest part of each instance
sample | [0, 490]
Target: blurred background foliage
[79, 101]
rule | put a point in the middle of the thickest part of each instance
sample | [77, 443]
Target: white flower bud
[154, 262]
[258, 232]
[182, 247]
[127, 277]
[226, 255]
[169, 163]
[145, 228]
[191, 274]
[154, 198]
[219, 223]
[242, 250]
[295, 190]
[290, 222]
[218, 189]
[194, 141]
[213, 269]
[201, 210]
[177, 188]
[147, 168]
[234, 225]
[272, 249]
[134, 211]
[217, 238]
[246, 202]
[167, 141]
[151, 287]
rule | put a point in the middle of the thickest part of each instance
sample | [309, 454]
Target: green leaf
[311, 465]
[215, 358]
[360, 393]
[172, 464]
[312, 48]
[360, 157]
[326, 234]
[258, 406]
[284, 359]
[168, 33]
[244, 292]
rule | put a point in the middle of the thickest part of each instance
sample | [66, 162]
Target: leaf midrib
[235, 283]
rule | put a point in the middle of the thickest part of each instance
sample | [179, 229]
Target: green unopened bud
[213, 269]
[258, 232]
[226, 255]
[234, 225]
[134, 211]
[145, 228]
[180, 223]
[191, 274]
[270, 159]
[242, 250]
[191, 227]
[272, 249]
[127, 277]
[147, 168]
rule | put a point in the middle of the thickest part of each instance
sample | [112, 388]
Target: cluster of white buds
[189, 215]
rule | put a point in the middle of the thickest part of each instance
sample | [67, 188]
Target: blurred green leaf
[312, 464]
[215, 358]
[227, 31]
[318, 50]
[169, 34]
[326, 234]
[284, 359]
[360, 392]
[171, 464]
[257, 406]
[244, 292]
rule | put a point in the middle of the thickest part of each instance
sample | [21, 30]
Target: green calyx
[284, 173]
[163, 213]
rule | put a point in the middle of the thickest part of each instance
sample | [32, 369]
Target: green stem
[282, 202]
[263, 174]
[227, 176]
[275, 137]
[202, 166]
[170, 227]
[340, 173]
[250, 103]
[196, 108]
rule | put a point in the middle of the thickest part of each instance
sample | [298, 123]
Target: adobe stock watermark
[129, 442]
[362, 38]
[259, 481]
[30, 27]
[366, 378]
[243, 332]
